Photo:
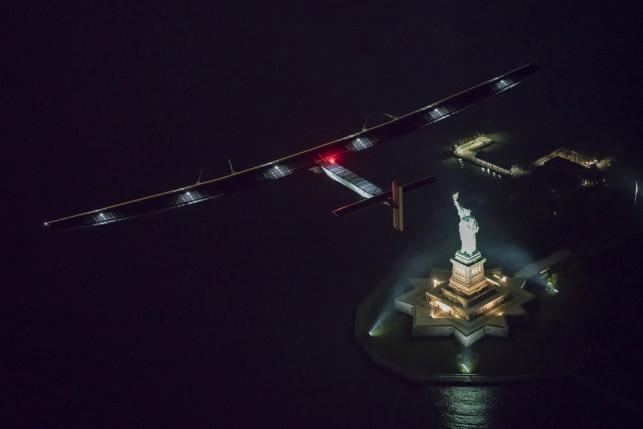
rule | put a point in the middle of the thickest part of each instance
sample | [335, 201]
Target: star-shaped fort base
[438, 309]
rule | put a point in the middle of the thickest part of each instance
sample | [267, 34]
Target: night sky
[240, 312]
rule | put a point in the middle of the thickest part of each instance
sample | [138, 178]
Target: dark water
[551, 404]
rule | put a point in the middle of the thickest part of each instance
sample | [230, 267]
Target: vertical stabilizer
[397, 203]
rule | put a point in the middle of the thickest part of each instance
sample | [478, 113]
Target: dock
[468, 150]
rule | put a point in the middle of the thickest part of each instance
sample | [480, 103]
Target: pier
[468, 150]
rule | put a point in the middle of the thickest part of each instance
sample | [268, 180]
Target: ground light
[466, 361]
[381, 325]
[378, 326]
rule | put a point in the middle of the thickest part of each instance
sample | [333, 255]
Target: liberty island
[467, 302]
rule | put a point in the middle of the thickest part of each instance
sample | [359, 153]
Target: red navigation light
[331, 160]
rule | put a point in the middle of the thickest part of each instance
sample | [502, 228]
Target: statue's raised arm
[461, 211]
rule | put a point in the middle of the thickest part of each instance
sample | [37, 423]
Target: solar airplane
[321, 159]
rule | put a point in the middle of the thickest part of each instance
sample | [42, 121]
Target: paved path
[535, 268]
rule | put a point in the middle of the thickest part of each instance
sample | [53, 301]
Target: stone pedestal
[468, 294]
[467, 275]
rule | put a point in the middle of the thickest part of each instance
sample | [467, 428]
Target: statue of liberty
[468, 228]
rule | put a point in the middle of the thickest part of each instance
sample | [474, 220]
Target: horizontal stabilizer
[384, 197]
[362, 204]
[418, 184]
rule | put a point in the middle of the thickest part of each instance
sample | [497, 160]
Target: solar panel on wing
[303, 160]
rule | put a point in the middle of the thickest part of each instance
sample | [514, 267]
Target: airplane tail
[393, 198]
[397, 204]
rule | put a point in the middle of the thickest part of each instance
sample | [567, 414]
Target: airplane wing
[282, 167]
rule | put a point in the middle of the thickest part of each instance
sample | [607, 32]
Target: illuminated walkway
[569, 155]
[469, 149]
[540, 266]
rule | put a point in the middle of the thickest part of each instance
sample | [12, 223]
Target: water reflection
[466, 407]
